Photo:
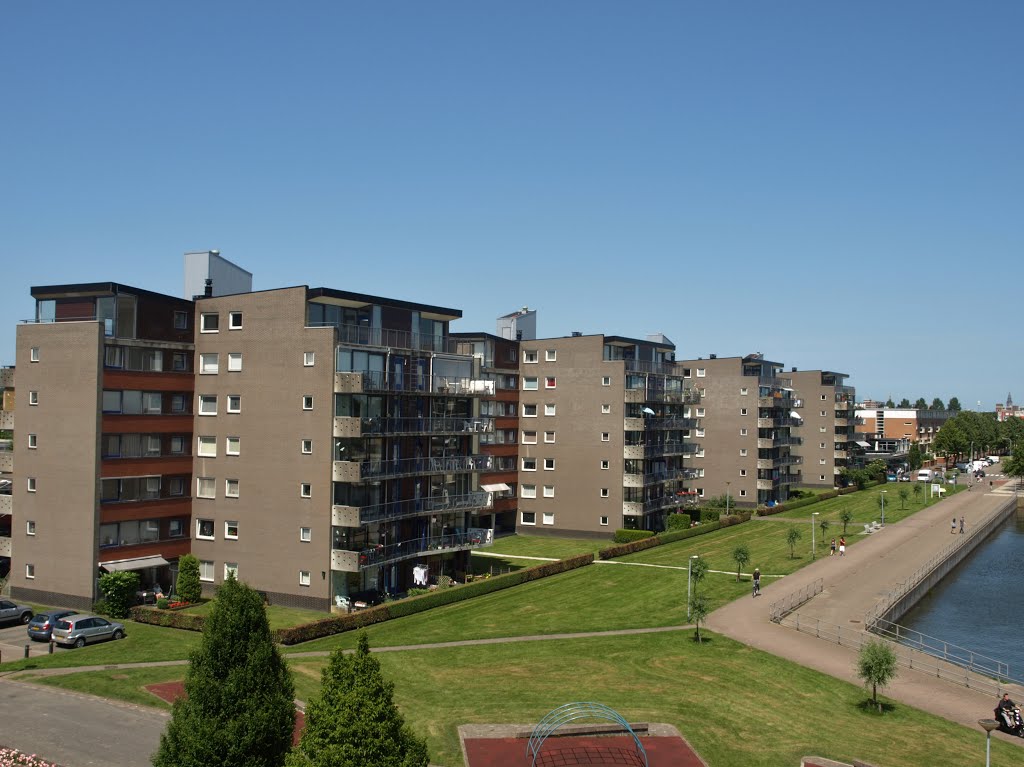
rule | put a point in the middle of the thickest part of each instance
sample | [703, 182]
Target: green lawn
[545, 546]
[278, 617]
[120, 684]
[864, 505]
[738, 707]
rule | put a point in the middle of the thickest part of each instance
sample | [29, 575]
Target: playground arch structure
[574, 712]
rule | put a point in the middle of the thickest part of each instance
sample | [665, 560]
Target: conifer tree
[239, 709]
[188, 586]
[354, 722]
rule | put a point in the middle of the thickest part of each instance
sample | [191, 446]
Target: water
[980, 605]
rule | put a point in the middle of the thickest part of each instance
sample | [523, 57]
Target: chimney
[519, 335]
[208, 290]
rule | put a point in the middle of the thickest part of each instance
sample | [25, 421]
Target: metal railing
[378, 380]
[438, 544]
[426, 425]
[412, 466]
[781, 608]
[383, 512]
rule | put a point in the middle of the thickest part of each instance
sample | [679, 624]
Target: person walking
[961, 525]
[953, 528]
[757, 581]
[832, 551]
[842, 546]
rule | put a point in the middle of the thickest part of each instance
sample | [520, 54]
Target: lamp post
[988, 725]
[813, 521]
[881, 495]
[727, 498]
[689, 572]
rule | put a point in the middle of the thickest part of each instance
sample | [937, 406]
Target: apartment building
[7, 477]
[497, 361]
[882, 426]
[748, 411]
[826, 427]
[337, 444]
[606, 424]
[103, 448]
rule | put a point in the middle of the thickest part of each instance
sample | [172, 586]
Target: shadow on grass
[701, 640]
[868, 706]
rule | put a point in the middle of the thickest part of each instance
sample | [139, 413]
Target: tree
[824, 525]
[846, 517]
[876, 665]
[921, 404]
[188, 586]
[740, 555]
[239, 708]
[699, 609]
[890, 403]
[951, 441]
[904, 495]
[876, 470]
[119, 588]
[938, 404]
[904, 403]
[792, 538]
[1014, 465]
[916, 489]
[698, 569]
[914, 457]
[354, 722]
[953, 404]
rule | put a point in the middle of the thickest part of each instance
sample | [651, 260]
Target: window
[306, 490]
[234, 320]
[175, 528]
[529, 411]
[700, 412]
[33, 398]
[31, 485]
[743, 432]
[33, 441]
[549, 491]
[686, 373]
[307, 446]
[700, 492]
[181, 321]
[177, 445]
[207, 404]
[549, 409]
[528, 517]
[530, 356]
[606, 409]
[307, 402]
[209, 322]
[605, 436]
[308, 359]
[603, 520]
[821, 461]
[233, 445]
[234, 362]
[529, 438]
[700, 372]
[178, 403]
[606, 381]
[303, 577]
[605, 464]
[207, 447]
[30, 527]
[205, 487]
[231, 488]
[204, 529]
[527, 491]
[234, 403]
[821, 476]
[700, 433]
[549, 464]
[231, 530]
[604, 492]
[205, 570]
[33, 354]
[231, 570]
[743, 391]
[823, 413]
[743, 452]
[743, 493]
[821, 445]
[530, 383]
[176, 486]
[549, 436]
[548, 518]
[529, 464]
[743, 472]
[743, 411]
[821, 429]
[30, 571]
[305, 534]
[549, 382]
[550, 355]
[823, 397]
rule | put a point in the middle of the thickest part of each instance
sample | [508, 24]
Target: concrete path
[852, 586]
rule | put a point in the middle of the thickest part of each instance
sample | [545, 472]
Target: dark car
[41, 626]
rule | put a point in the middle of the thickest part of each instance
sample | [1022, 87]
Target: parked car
[79, 630]
[9, 611]
[41, 625]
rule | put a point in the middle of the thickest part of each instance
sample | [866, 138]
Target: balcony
[471, 538]
[793, 478]
[6, 505]
[656, 478]
[684, 397]
[348, 426]
[6, 461]
[354, 516]
[5, 547]
[659, 450]
[357, 471]
[632, 509]
[7, 377]
[775, 463]
[841, 422]
[840, 454]
[655, 422]
[765, 484]
[385, 338]
[411, 383]
[779, 402]
[778, 422]
[7, 419]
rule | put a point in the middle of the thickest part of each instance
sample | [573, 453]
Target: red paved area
[607, 751]
[171, 691]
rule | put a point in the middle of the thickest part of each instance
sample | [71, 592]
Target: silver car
[9, 611]
[78, 630]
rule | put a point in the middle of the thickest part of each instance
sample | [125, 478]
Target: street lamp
[813, 520]
[881, 495]
[689, 572]
[989, 725]
[727, 498]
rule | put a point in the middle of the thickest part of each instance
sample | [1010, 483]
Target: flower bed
[10, 757]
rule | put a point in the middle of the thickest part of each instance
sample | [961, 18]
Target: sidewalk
[852, 585]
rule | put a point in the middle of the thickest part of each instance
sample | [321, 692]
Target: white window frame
[202, 322]
[606, 380]
[527, 408]
[605, 465]
[33, 398]
[549, 464]
[227, 525]
[213, 527]
[308, 359]
[306, 447]
[603, 521]
[547, 518]
[550, 382]
[743, 472]
[206, 446]
[531, 383]
[31, 484]
[522, 518]
[33, 354]
[238, 398]
[549, 491]
[527, 491]
[743, 391]
[204, 564]
[529, 438]
[743, 432]
[701, 372]
[743, 493]
[606, 436]
[304, 578]
[232, 325]
[30, 571]
[307, 401]
[234, 362]
[231, 488]
[605, 493]
[531, 356]
[549, 437]
[306, 534]
[743, 411]
[743, 452]
[550, 355]
[529, 464]
[237, 446]
[550, 409]
[305, 490]
[230, 568]
[606, 409]
[30, 527]
[33, 441]
[207, 399]
[212, 485]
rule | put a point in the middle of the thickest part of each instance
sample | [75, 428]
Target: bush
[162, 603]
[168, 618]
[188, 586]
[120, 589]
[338, 624]
[100, 607]
[625, 536]
[678, 522]
[710, 515]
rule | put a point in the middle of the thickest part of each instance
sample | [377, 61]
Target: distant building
[826, 428]
[885, 425]
[1009, 410]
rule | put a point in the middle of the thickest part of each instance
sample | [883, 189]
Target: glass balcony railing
[426, 425]
[460, 464]
[656, 478]
[378, 380]
[473, 537]
[413, 507]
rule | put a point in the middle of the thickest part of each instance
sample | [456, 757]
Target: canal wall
[902, 599]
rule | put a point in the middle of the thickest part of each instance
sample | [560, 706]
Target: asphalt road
[77, 730]
[14, 637]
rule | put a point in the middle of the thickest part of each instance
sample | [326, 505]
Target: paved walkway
[852, 586]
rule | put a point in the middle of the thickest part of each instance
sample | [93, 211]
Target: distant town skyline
[835, 188]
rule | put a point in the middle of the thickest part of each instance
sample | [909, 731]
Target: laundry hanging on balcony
[420, 574]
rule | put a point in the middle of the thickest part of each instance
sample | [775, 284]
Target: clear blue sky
[837, 185]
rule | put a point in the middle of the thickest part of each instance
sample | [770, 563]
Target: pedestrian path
[851, 587]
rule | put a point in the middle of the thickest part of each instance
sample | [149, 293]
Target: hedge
[170, 618]
[338, 624]
[778, 508]
[673, 535]
[628, 536]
